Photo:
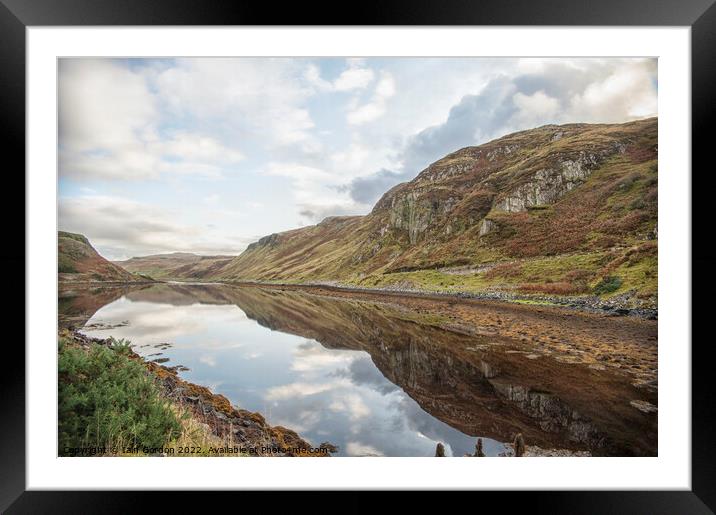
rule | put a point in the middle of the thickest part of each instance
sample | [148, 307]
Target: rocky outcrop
[415, 211]
[436, 173]
[266, 241]
[547, 185]
[487, 226]
[552, 413]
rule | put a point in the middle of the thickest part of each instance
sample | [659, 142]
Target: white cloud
[355, 77]
[538, 108]
[197, 148]
[517, 95]
[313, 357]
[366, 113]
[208, 360]
[321, 141]
[386, 86]
[352, 404]
[353, 158]
[295, 171]
[184, 153]
[121, 228]
[360, 449]
[377, 106]
[262, 96]
[626, 91]
[298, 389]
[314, 191]
[108, 119]
[111, 115]
[102, 105]
[313, 76]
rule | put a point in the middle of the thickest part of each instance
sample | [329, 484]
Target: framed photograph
[305, 255]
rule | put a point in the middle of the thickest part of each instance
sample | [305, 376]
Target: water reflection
[370, 378]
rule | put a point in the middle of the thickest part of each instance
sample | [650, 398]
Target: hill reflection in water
[372, 378]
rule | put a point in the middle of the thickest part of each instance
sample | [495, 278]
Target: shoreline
[579, 304]
[597, 343]
[627, 344]
[235, 431]
[106, 283]
[582, 304]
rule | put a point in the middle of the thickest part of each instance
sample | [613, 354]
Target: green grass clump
[640, 275]
[608, 285]
[106, 399]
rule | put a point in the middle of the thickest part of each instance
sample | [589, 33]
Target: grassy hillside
[179, 265]
[78, 261]
[559, 210]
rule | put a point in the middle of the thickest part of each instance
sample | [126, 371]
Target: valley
[555, 212]
[510, 288]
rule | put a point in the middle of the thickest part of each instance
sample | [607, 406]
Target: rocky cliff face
[550, 191]
[512, 174]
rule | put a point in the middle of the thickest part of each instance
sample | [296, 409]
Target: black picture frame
[17, 15]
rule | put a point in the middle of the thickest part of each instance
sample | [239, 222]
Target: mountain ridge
[560, 209]
[175, 265]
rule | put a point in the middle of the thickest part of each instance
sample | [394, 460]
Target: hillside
[78, 261]
[557, 210]
[178, 265]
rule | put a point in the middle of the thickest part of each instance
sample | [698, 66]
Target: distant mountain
[569, 209]
[78, 261]
[178, 265]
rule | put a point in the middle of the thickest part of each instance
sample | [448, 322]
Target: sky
[206, 155]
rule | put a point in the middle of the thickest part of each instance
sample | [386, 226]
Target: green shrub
[607, 285]
[105, 399]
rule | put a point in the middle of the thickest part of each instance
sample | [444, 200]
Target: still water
[373, 379]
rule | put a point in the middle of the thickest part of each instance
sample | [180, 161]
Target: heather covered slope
[78, 261]
[178, 265]
[568, 209]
